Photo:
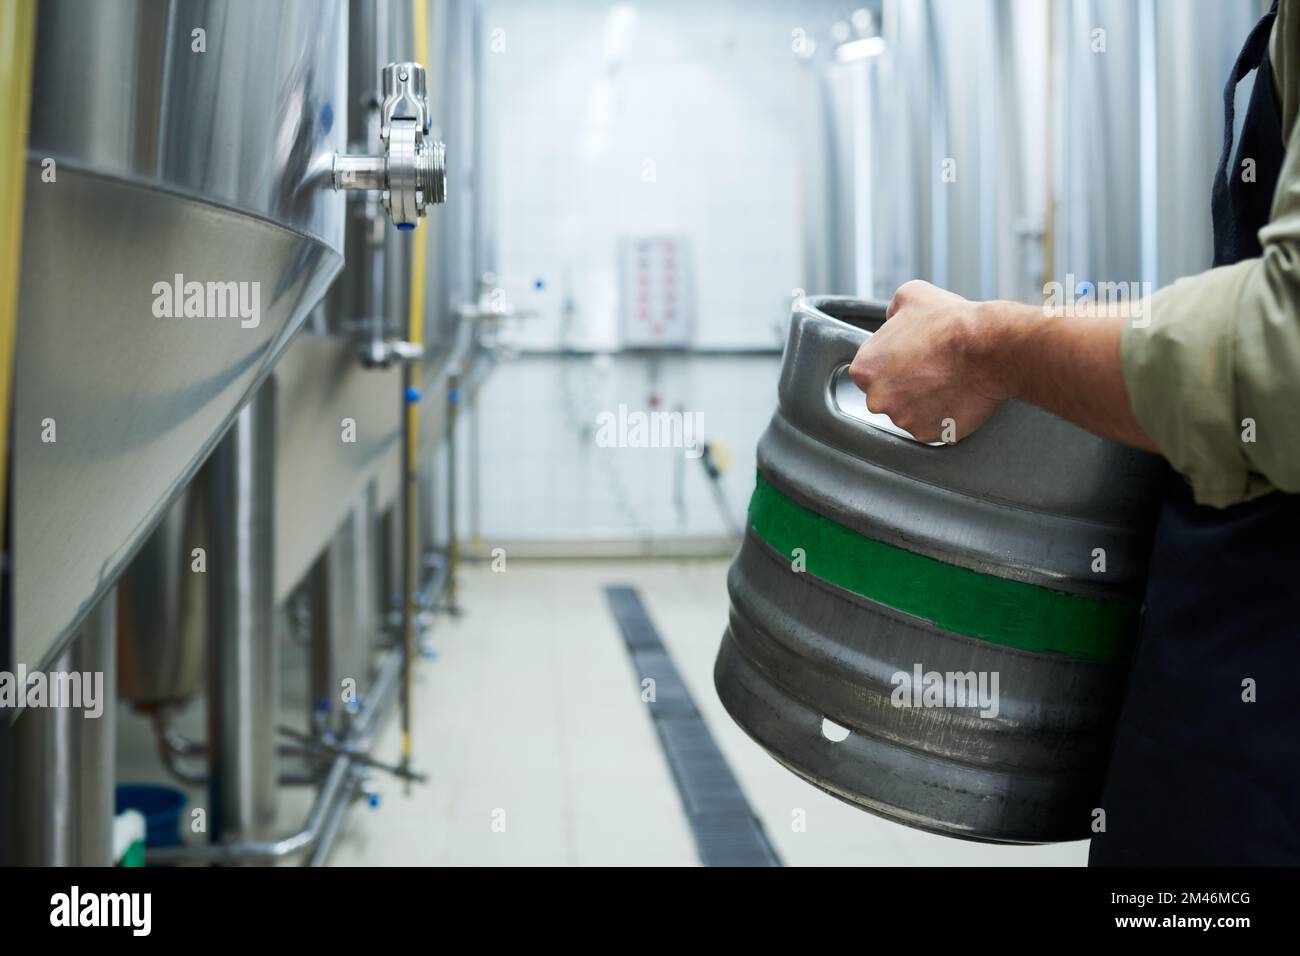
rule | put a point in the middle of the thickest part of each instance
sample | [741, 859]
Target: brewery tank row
[184, 467]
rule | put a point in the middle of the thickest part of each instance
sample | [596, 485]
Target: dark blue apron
[1198, 775]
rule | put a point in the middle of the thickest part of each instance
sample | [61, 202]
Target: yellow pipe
[410, 398]
[420, 237]
[17, 29]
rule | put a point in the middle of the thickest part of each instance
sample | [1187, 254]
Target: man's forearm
[941, 364]
[1069, 365]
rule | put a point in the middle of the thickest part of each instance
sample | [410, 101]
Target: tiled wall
[543, 474]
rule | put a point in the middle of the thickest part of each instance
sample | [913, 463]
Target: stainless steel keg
[935, 633]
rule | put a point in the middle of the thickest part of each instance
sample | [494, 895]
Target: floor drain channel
[727, 833]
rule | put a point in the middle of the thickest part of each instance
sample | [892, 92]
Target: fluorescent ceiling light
[860, 49]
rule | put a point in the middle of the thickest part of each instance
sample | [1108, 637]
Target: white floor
[540, 751]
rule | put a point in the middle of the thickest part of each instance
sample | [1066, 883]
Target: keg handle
[847, 401]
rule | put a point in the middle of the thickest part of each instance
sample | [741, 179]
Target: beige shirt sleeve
[1214, 376]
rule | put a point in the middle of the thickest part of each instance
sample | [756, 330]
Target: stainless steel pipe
[61, 767]
[344, 608]
[335, 788]
[244, 673]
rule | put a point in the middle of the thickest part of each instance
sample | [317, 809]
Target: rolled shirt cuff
[1179, 359]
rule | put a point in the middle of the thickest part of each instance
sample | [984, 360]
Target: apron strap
[1250, 57]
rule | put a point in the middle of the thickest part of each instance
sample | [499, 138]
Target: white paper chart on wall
[657, 292]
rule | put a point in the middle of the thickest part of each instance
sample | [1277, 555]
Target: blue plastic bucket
[161, 807]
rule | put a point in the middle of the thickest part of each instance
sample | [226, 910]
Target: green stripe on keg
[1011, 613]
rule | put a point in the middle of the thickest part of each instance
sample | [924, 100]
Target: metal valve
[412, 172]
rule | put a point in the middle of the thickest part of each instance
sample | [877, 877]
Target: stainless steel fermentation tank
[330, 494]
[1008, 567]
[331, 523]
[991, 146]
[168, 161]
[171, 144]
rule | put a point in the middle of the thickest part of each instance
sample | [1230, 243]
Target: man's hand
[941, 365]
[925, 368]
